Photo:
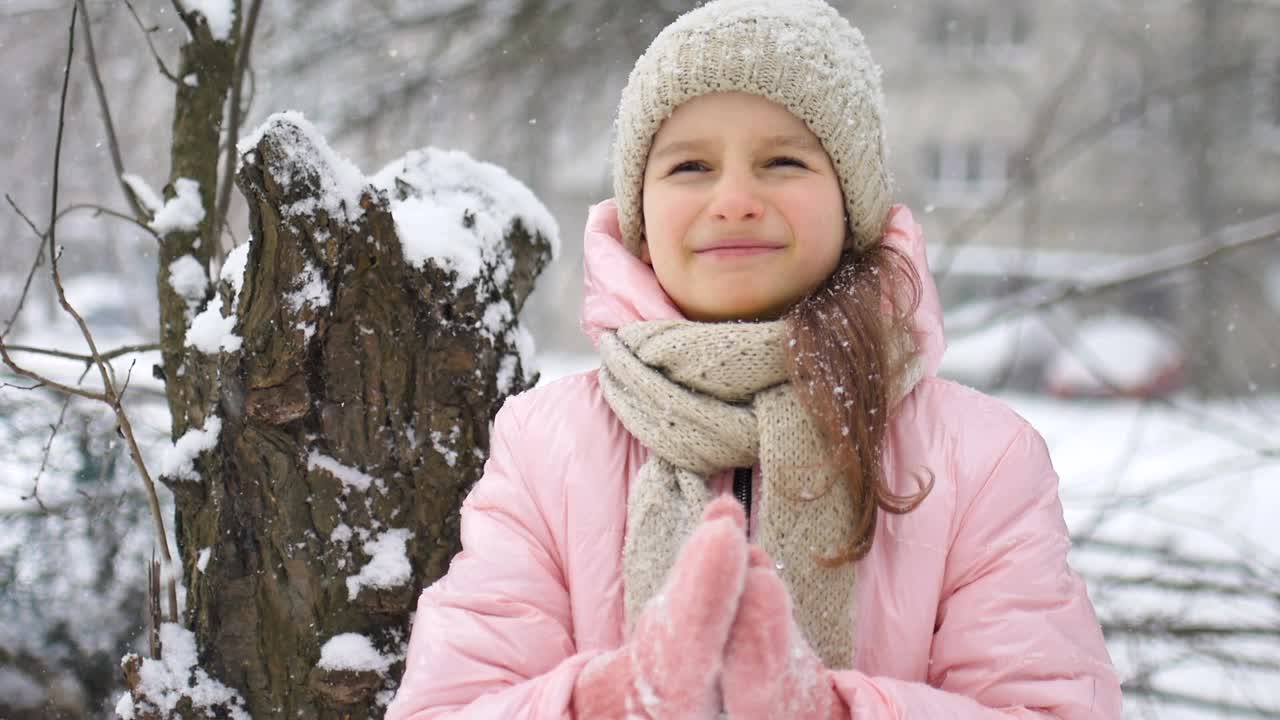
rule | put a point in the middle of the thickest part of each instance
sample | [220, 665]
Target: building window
[965, 173]
[979, 34]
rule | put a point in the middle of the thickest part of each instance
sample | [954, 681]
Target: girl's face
[743, 214]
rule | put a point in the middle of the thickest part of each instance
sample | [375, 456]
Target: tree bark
[393, 374]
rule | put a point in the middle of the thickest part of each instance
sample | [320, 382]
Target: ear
[645, 257]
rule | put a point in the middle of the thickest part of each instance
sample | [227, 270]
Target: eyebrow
[798, 142]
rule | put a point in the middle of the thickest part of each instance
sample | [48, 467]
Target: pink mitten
[770, 672]
[670, 667]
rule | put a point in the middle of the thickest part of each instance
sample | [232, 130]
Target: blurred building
[1044, 142]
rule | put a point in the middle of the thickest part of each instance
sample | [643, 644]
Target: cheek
[668, 212]
[817, 217]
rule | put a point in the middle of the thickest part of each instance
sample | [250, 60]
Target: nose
[736, 198]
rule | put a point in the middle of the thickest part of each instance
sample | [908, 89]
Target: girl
[764, 503]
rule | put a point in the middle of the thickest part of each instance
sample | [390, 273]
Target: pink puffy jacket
[966, 607]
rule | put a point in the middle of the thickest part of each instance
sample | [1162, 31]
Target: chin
[728, 312]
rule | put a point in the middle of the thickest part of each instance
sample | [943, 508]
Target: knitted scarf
[705, 397]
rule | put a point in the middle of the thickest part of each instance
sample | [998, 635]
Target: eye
[785, 161]
[688, 166]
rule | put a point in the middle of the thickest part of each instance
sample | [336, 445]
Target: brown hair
[842, 365]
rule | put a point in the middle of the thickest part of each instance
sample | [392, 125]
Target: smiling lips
[737, 247]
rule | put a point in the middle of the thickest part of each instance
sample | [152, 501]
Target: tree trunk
[354, 419]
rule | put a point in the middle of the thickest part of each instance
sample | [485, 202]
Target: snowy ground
[1174, 513]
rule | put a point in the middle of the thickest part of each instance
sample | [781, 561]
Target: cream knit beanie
[800, 54]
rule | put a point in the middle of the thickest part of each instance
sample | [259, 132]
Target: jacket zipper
[742, 489]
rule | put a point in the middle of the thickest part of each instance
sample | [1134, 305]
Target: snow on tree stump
[363, 339]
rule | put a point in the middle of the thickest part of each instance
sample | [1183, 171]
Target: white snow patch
[305, 151]
[188, 279]
[435, 233]
[348, 476]
[211, 333]
[460, 211]
[388, 565]
[496, 318]
[202, 561]
[313, 290]
[352, 651]
[219, 14]
[528, 352]
[233, 268]
[150, 199]
[437, 442]
[182, 212]
[341, 534]
[179, 459]
[176, 676]
[506, 374]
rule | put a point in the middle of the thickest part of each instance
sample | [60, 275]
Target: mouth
[738, 248]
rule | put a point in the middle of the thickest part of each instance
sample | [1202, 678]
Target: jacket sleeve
[1016, 635]
[493, 638]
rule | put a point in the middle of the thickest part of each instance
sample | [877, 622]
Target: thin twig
[109, 394]
[37, 386]
[47, 382]
[1061, 157]
[51, 235]
[128, 375]
[113, 143]
[100, 210]
[978, 316]
[110, 355]
[146, 32]
[1219, 708]
[30, 223]
[153, 604]
[223, 203]
[26, 289]
[44, 460]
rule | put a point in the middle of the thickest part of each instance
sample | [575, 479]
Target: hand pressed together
[718, 636]
[770, 672]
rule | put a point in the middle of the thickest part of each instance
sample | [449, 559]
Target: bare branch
[127, 377]
[223, 202]
[30, 223]
[109, 395]
[110, 355]
[46, 382]
[26, 289]
[1183, 586]
[1061, 157]
[146, 32]
[44, 459]
[51, 235]
[100, 210]
[1167, 555]
[113, 143]
[1220, 708]
[977, 316]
